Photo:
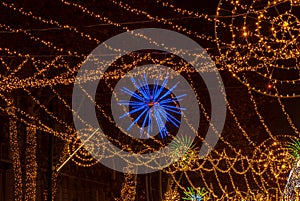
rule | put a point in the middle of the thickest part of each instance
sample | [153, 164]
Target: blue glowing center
[152, 103]
[155, 107]
[196, 198]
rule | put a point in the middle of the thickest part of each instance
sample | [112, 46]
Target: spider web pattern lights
[261, 45]
[82, 157]
[152, 102]
[274, 161]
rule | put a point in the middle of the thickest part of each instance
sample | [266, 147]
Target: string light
[269, 159]
[128, 191]
[265, 46]
[15, 153]
[30, 163]
[82, 157]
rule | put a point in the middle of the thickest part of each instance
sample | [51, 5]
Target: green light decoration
[292, 187]
[294, 148]
[182, 148]
[193, 195]
[183, 154]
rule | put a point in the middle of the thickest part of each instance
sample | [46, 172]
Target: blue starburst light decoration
[151, 103]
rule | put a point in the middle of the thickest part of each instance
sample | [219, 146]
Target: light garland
[30, 163]
[255, 170]
[264, 46]
[15, 154]
[82, 157]
[172, 195]
[128, 191]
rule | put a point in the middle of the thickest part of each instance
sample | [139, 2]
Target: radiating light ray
[152, 103]
[193, 195]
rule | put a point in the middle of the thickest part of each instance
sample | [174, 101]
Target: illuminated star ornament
[152, 104]
[197, 195]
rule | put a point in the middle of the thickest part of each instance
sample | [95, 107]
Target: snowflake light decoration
[194, 196]
[152, 102]
[182, 153]
[182, 146]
